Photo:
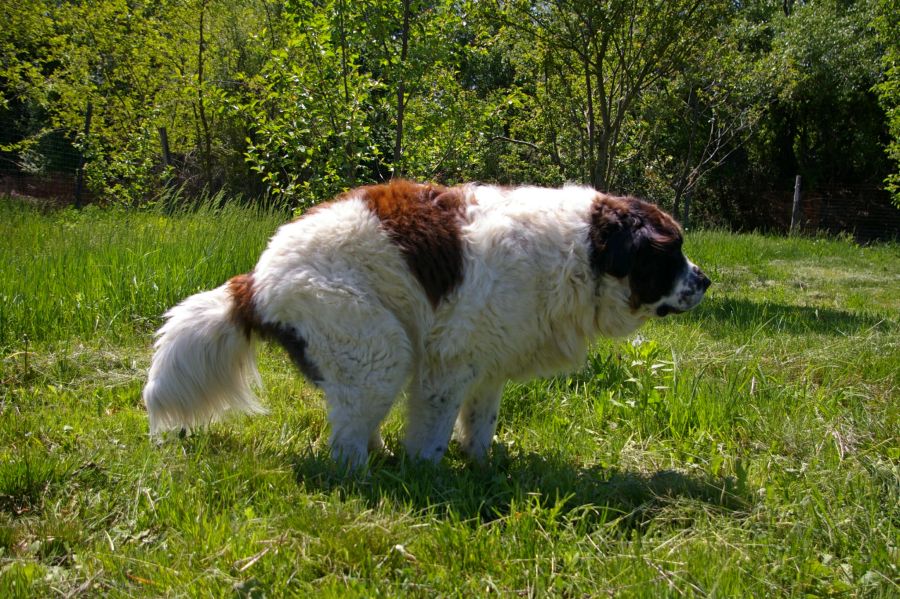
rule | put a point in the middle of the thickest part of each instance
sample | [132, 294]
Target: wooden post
[164, 143]
[795, 213]
[166, 156]
[79, 174]
[686, 220]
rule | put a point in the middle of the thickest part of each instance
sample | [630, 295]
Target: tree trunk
[676, 204]
[591, 121]
[401, 93]
[350, 165]
[206, 147]
[79, 175]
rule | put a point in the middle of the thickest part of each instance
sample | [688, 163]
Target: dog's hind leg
[363, 358]
[434, 402]
[477, 419]
[355, 415]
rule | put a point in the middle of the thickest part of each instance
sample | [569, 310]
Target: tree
[888, 24]
[824, 122]
[602, 57]
[700, 116]
[306, 108]
[682, 101]
[141, 66]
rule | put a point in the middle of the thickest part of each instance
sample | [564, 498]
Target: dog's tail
[204, 364]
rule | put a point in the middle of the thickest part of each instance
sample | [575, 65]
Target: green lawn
[749, 448]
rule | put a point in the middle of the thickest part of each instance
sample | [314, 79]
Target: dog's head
[639, 245]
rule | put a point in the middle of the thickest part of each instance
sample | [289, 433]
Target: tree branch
[520, 142]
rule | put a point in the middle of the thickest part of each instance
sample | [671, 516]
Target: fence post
[686, 221]
[166, 156]
[79, 175]
[164, 142]
[795, 213]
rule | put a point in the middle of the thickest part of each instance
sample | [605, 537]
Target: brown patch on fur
[633, 238]
[243, 311]
[245, 316]
[424, 221]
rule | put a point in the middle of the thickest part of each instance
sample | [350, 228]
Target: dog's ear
[613, 239]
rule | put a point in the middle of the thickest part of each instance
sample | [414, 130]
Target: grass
[98, 273]
[749, 448]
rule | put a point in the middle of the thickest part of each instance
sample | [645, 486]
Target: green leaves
[670, 100]
[306, 109]
[887, 23]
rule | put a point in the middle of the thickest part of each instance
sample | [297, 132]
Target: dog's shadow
[512, 481]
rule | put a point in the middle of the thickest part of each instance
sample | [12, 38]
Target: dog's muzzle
[689, 296]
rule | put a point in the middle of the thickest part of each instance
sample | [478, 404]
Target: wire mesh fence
[50, 170]
[865, 212]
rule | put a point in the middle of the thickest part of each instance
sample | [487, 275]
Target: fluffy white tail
[203, 367]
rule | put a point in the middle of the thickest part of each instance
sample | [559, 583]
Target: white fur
[528, 305]
[203, 366]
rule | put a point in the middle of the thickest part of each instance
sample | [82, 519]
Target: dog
[445, 292]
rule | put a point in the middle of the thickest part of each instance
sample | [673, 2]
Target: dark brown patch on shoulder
[633, 238]
[424, 221]
[243, 310]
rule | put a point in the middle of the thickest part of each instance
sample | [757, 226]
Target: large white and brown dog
[444, 292]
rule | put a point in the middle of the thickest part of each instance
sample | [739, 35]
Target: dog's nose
[703, 280]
